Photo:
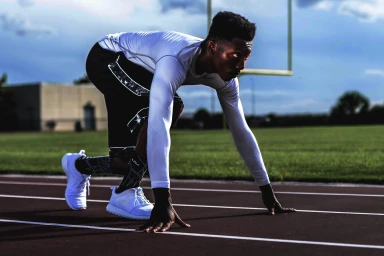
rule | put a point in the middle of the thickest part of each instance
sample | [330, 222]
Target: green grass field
[327, 154]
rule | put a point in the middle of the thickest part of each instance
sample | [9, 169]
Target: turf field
[329, 154]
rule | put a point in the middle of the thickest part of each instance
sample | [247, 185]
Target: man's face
[229, 58]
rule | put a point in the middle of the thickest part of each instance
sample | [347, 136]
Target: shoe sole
[64, 166]
[118, 212]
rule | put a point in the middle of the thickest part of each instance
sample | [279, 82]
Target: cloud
[25, 3]
[112, 9]
[22, 26]
[377, 103]
[273, 93]
[195, 94]
[307, 3]
[197, 6]
[290, 106]
[365, 11]
[374, 72]
[294, 105]
[101, 17]
[246, 8]
[325, 5]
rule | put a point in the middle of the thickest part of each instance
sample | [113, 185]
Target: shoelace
[140, 197]
[85, 182]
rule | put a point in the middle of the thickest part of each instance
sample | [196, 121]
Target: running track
[227, 218]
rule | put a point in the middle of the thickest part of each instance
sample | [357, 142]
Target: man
[139, 74]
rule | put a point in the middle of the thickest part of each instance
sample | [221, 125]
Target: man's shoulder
[233, 82]
[178, 38]
[163, 35]
[172, 41]
[183, 35]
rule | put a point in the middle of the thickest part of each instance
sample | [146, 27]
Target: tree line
[351, 108]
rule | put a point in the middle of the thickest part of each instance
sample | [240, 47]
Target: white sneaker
[130, 203]
[77, 183]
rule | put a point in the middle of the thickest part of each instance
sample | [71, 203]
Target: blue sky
[337, 45]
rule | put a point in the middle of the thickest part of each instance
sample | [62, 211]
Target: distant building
[59, 107]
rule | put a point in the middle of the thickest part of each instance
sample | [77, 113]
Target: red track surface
[35, 220]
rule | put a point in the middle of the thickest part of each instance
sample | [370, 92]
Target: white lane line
[46, 184]
[199, 206]
[201, 189]
[259, 239]
[201, 181]
[264, 209]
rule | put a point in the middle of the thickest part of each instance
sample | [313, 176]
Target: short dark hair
[228, 25]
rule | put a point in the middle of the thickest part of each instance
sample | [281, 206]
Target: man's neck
[203, 64]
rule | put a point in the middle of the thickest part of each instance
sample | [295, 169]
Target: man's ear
[211, 46]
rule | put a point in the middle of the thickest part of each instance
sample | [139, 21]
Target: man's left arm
[247, 146]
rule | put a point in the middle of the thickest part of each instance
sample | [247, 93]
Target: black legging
[125, 86]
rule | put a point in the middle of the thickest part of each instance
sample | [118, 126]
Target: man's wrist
[266, 189]
[162, 196]
[268, 195]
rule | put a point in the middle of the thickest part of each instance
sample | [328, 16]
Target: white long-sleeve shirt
[171, 57]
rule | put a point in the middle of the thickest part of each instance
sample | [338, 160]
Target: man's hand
[270, 201]
[163, 214]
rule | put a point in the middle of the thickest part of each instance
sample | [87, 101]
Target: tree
[3, 80]
[201, 117]
[3, 92]
[82, 80]
[377, 114]
[8, 117]
[350, 104]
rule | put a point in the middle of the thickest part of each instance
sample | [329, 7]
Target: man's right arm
[167, 78]
[164, 85]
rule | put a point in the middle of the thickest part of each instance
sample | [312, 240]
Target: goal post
[266, 72]
[276, 72]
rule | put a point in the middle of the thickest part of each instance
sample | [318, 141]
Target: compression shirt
[171, 57]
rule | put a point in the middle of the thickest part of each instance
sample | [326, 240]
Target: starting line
[199, 206]
[199, 189]
[259, 239]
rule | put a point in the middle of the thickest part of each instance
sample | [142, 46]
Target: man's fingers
[148, 229]
[180, 222]
[166, 226]
[157, 226]
[144, 226]
[280, 209]
[162, 223]
[286, 210]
